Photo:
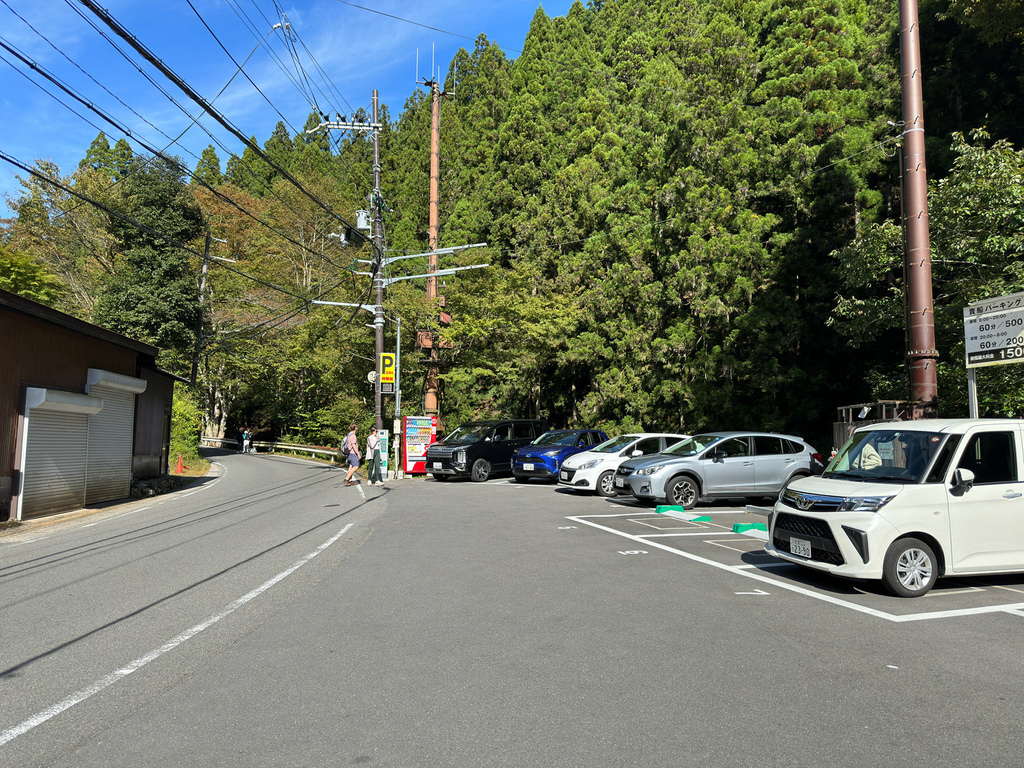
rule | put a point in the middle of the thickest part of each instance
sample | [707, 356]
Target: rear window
[524, 431]
[768, 446]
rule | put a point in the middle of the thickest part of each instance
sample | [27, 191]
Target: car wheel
[606, 484]
[440, 478]
[481, 470]
[909, 568]
[682, 491]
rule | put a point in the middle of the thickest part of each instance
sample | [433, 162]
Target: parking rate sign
[387, 368]
[994, 331]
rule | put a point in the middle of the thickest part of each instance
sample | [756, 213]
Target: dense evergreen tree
[152, 294]
[208, 168]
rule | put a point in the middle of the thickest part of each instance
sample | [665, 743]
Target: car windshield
[556, 438]
[469, 433]
[692, 445]
[886, 456]
[614, 445]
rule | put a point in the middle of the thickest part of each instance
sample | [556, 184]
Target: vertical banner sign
[419, 432]
[387, 373]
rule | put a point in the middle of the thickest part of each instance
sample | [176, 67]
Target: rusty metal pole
[922, 356]
[430, 396]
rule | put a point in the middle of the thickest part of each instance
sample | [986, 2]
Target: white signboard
[994, 331]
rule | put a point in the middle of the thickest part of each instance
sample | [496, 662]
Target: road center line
[104, 682]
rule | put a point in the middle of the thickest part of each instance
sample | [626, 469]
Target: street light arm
[388, 281]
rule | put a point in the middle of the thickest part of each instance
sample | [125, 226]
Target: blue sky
[360, 45]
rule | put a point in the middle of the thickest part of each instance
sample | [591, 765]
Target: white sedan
[594, 470]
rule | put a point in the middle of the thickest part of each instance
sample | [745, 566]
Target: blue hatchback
[545, 455]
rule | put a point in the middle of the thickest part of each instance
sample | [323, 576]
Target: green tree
[976, 218]
[99, 156]
[152, 293]
[23, 275]
[208, 168]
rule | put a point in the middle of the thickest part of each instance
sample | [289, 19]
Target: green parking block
[744, 527]
[701, 519]
[661, 509]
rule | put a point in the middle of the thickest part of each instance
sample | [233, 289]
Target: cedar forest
[692, 211]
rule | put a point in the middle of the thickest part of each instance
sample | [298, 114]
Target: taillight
[817, 457]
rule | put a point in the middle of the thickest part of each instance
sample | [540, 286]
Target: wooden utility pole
[922, 356]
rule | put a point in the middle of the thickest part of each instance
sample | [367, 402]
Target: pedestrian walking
[373, 455]
[351, 447]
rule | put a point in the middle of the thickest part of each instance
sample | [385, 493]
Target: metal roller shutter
[109, 471]
[55, 462]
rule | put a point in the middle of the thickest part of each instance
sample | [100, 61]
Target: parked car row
[902, 502]
[675, 468]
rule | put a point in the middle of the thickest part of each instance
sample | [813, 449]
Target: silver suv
[719, 465]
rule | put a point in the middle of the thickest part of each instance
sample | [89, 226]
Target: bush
[186, 423]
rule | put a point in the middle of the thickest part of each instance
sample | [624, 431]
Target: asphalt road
[273, 617]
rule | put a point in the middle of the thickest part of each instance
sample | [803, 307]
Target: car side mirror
[963, 479]
[718, 455]
[637, 452]
[487, 439]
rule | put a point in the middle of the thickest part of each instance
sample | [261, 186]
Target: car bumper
[578, 479]
[848, 545]
[445, 466]
[534, 469]
[644, 487]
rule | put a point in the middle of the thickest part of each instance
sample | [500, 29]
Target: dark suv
[481, 448]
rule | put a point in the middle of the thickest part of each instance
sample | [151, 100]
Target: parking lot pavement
[717, 539]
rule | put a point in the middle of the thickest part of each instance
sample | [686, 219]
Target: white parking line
[1015, 609]
[104, 682]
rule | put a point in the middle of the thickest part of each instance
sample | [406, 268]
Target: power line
[156, 152]
[124, 34]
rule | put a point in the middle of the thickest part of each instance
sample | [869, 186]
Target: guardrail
[270, 447]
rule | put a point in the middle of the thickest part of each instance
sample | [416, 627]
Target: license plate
[800, 547]
[620, 482]
[563, 475]
[528, 467]
[437, 465]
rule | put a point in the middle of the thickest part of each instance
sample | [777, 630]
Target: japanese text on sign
[994, 331]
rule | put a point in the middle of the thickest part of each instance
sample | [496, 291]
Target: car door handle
[748, 463]
[1012, 495]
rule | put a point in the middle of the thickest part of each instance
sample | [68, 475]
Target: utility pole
[378, 258]
[922, 356]
[377, 238]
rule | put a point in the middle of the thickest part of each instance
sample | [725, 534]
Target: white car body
[957, 511]
[595, 469]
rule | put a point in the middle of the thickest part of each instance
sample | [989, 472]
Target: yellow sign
[387, 368]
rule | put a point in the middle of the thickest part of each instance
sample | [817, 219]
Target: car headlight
[552, 454]
[649, 470]
[460, 457]
[590, 464]
[865, 503]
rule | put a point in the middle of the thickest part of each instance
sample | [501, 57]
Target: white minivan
[909, 501]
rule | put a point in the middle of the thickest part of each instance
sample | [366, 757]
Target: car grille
[566, 475]
[811, 501]
[624, 471]
[824, 548]
[440, 452]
